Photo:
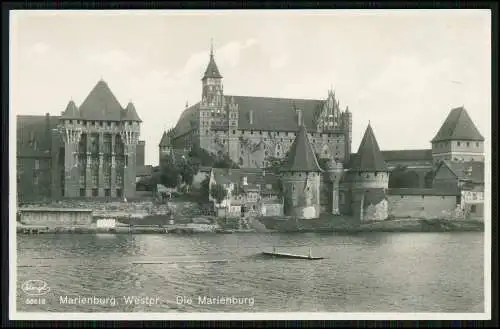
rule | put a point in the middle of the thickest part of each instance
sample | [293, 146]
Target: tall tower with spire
[300, 178]
[212, 105]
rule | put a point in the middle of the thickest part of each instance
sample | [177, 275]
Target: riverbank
[401, 225]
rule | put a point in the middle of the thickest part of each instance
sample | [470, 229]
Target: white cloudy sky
[401, 70]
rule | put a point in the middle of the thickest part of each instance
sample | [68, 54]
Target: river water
[366, 272]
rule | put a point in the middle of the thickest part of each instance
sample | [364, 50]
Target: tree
[169, 172]
[218, 192]
[275, 164]
[225, 162]
[429, 178]
[400, 177]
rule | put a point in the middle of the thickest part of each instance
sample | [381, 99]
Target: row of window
[99, 123]
[467, 144]
[95, 192]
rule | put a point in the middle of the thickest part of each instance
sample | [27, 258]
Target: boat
[276, 254]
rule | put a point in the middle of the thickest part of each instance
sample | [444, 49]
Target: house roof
[268, 114]
[407, 155]
[130, 114]
[146, 170]
[458, 126]
[301, 155]
[101, 104]
[254, 176]
[71, 111]
[472, 171]
[448, 191]
[212, 70]
[369, 157]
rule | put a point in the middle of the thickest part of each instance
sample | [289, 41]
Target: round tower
[368, 176]
[130, 131]
[334, 173]
[70, 128]
[300, 178]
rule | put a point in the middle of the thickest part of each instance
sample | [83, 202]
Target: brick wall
[421, 206]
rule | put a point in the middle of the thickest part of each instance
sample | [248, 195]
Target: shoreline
[388, 226]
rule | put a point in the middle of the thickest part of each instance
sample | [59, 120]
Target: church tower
[212, 101]
[300, 177]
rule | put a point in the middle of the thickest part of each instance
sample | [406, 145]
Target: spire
[71, 111]
[369, 158]
[130, 114]
[211, 47]
[301, 156]
[212, 70]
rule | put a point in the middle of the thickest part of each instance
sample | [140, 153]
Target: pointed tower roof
[301, 156]
[101, 104]
[369, 157]
[165, 139]
[458, 126]
[130, 114]
[71, 111]
[212, 70]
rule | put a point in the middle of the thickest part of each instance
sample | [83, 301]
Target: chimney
[299, 117]
[251, 117]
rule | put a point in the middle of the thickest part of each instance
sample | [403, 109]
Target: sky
[402, 71]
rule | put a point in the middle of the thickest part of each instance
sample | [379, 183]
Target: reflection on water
[369, 272]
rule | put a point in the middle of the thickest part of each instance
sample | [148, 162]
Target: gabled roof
[301, 155]
[212, 70]
[472, 171]
[407, 155]
[130, 114]
[101, 104]
[369, 157]
[165, 139]
[458, 126]
[71, 111]
[254, 177]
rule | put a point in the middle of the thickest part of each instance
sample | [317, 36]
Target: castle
[91, 151]
[250, 130]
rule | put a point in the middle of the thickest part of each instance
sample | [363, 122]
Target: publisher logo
[35, 287]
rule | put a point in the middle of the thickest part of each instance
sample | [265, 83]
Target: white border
[14, 315]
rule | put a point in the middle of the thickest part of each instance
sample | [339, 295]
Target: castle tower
[212, 100]
[233, 141]
[70, 128]
[300, 178]
[458, 139]
[100, 139]
[368, 172]
[165, 147]
[334, 173]
[347, 127]
[130, 131]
